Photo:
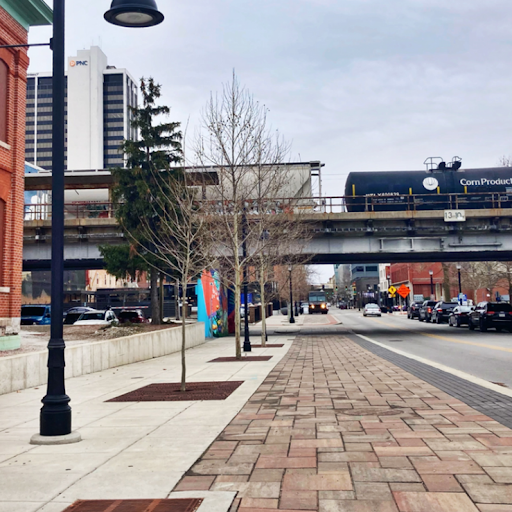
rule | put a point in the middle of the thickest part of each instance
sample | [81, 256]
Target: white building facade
[98, 97]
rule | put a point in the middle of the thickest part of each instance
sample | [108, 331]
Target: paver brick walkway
[334, 428]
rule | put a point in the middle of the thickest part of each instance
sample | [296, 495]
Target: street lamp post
[292, 319]
[431, 273]
[55, 416]
[460, 283]
[247, 340]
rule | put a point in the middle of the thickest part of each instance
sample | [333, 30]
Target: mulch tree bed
[268, 345]
[244, 359]
[178, 505]
[170, 392]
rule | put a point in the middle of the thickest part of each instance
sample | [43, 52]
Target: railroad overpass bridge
[336, 236]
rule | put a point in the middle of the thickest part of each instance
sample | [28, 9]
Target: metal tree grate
[242, 360]
[170, 392]
[178, 505]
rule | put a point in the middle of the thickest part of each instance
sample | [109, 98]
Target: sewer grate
[170, 392]
[268, 345]
[396, 341]
[178, 505]
[242, 360]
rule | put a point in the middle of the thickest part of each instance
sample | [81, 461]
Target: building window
[4, 75]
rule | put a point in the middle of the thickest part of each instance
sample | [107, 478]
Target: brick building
[16, 16]
[416, 276]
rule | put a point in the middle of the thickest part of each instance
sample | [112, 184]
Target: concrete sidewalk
[325, 425]
[129, 450]
[335, 428]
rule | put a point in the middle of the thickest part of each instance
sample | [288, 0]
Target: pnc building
[97, 113]
[16, 17]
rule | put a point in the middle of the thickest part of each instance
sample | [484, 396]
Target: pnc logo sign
[74, 63]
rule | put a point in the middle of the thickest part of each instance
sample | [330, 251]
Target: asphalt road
[486, 355]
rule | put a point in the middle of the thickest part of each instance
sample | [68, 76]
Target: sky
[357, 84]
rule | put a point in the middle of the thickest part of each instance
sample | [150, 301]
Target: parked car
[426, 308]
[371, 310]
[460, 316]
[36, 314]
[97, 317]
[133, 316]
[491, 314]
[442, 311]
[414, 310]
[73, 314]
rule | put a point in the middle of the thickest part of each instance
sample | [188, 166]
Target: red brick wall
[12, 165]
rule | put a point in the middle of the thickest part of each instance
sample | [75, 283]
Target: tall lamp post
[247, 340]
[55, 416]
[458, 274]
[292, 319]
[431, 273]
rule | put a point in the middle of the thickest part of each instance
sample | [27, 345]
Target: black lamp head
[134, 13]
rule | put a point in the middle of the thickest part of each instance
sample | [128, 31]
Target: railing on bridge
[82, 210]
[330, 204]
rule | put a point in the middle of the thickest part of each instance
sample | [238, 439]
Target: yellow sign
[392, 290]
[392, 295]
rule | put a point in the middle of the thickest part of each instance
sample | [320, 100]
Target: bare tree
[505, 161]
[505, 268]
[281, 235]
[179, 237]
[447, 270]
[302, 279]
[248, 158]
[481, 274]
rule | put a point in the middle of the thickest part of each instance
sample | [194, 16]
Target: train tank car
[429, 190]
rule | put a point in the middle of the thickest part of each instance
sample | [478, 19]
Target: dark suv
[133, 316]
[426, 308]
[413, 311]
[491, 314]
[442, 311]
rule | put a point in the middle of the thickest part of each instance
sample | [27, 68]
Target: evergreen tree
[157, 150]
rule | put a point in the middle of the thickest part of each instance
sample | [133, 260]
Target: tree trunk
[237, 313]
[446, 282]
[183, 340]
[155, 303]
[263, 305]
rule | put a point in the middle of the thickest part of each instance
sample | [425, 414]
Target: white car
[97, 317]
[372, 309]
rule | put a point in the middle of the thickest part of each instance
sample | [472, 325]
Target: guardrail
[82, 210]
[329, 204]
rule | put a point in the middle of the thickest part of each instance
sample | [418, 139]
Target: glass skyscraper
[98, 97]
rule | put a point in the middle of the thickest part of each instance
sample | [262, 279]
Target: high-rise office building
[97, 113]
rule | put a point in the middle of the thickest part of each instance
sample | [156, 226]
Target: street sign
[392, 295]
[404, 291]
[455, 215]
[418, 298]
[392, 290]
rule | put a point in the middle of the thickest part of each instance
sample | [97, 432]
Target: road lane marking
[451, 340]
[442, 367]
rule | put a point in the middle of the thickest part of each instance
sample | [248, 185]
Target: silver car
[372, 309]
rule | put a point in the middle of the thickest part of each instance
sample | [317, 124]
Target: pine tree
[157, 150]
